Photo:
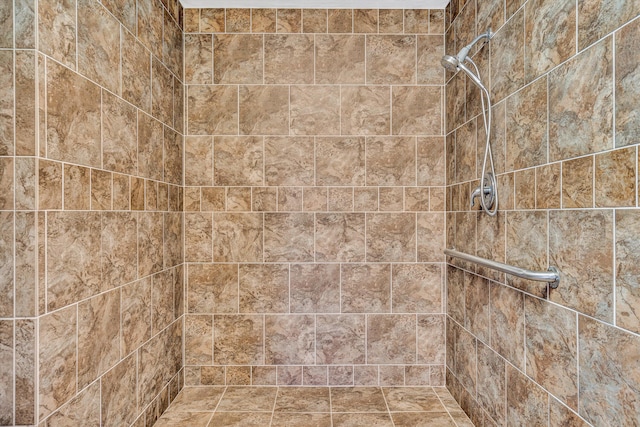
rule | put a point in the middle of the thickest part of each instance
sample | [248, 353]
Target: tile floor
[314, 407]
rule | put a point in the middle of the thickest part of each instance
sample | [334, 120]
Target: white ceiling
[317, 4]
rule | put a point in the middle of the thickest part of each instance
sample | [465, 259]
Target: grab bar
[552, 275]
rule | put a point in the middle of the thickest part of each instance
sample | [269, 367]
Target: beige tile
[240, 419]
[57, 30]
[476, 304]
[101, 189]
[597, 18]
[586, 267]
[150, 21]
[507, 57]
[340, 20]
[372, 298]
[161, 92]
[212, 110]
[412, 399]
[212, 20]
[626, 265]
[526, 402]
[136, 72]
[422, 419]
[315, 110]
[288, 59]
[213, 199]
[263, 20]
[526, 247]
[150, 147]
[198, 154]
[561, 415]
[238, 161]
[577, 183]
[315, 375]
[238, 20]
[491, 382]
[254, 399]
[362, 399]
[391, 59]
[507, 323]
[98, 45]
[119, 247]
[615, 180]
[289, 375]
[289, 161]
[49, 185]
[290, 199]
[431, 338]
[582, 122]
[416, 110]
[77, 187]
[340, 59]
[288, 237]
[416, 21]
[239, 339]
[386, 169]
[417, 288]
[195, 399]
[365, 21]
[301, 419]
[7, 101]
[430, 49]
[237, 237]
[365, 110]
[57, 359]
[264, 110]
[341, 199]
[118, 392]
[341, 375]
[340, 161]
[358, 419]
[7, 374]
[289, 339]
[70, 97]
[390, 20]
[548, 186]
[315, 288]
[391, 237]
[289, 20]
[626, 75]
[238, 59]
[391, 338]
[340, 339]
[136, 315]
[314, 20]
[173, 152]
[198, 58]
[150, 251]
[24, 285]
[212, 288]
[315, 199]
[173, 252]
[466, 154]
[340, 237]
[176, 418]
[264, 288]
[162, 301]
[26, 70]
[84, 408]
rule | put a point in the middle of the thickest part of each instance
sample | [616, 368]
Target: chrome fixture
[488, 189]
[551, 276]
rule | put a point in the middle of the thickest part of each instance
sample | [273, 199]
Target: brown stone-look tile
[430, 231]
[210, 375]
[455, 295]
[289, 20]
[195, 419]
[77, 187]
[198, 237]
[365, 375]
[84, 408]
[476, 304]
[161, 92]
[366, 288]
[340, 20]
[173, 242]
[527, 127]
[301, 419]
[577, 183]
[8, 376]
[238, 199]
[288, 59]
[391, 59]
[507, 58]
[136, 315]
[416, 110]
[241, 419]
[507, 324]
[340, 59]
[198, 340]
[362, 399]
[119, 135]
[455, 105]
[237, 237]
[73, 269]
[238, 20]
[24, 285]
[430, 51]
[608, 373]
[550, 35]
[197, 399]
[548, 186]
[263, 199]
[392, 199]
[341, 375]
[289, 199]
[238, 161]
[119, 247]
[412, 399]
[25, 366]
[385, 168]
[213, 199]
[289, 160]
[264, 110]
[315, 288]
[118, 391]
[315, 110]
[26, 73]
[416, 21]
[150, 22]
[417, 375]
[417, 288]
[340, 161]
[431, 338]
[6, 40]
[366, 110]
[136, 72]
[560, 415]
[212, 20]
[551, 336]
[288, 237]
[527, 247]
[254, 399]
[581, 247]
[150, 251]
[238, 375]
[391, 237]
[264, 288]
[150, 147]
[57, 30]
[57, 359]
[340, 237]
[365, 21]
[212, 288]
[49, 185]
[626, 91]
[263, 375]
[422, 419]
[491, 383]
[340, 339]
[315, 199]
[289, 339]
[173, 151]
[212, 110]
[98, 45]
[289, 375]
[341, 199]
[198, 57]
[597, 18]
[238, 59]
[615, 181]
[314, 20]
[390, 21]
[627, 262]
[581, 118]
[365, 199]
[71, 97]
[7, 102]
[198, 152]
[191, 20]
[239, 339]
[263, 20]
[101, 187]
[527, 403]
[466, 155]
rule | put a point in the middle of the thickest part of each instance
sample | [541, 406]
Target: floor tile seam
[387, 405]
[273, 407]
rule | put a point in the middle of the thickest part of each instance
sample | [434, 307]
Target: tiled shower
[211, 197]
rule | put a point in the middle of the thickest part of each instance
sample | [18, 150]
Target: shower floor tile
[314, 407]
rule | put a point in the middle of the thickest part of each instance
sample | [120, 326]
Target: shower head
[450, 62]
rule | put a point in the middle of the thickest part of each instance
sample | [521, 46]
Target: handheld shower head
[450, 63]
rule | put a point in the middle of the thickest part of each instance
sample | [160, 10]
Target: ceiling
[317, 4]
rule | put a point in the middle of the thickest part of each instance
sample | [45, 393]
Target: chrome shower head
[450, 63]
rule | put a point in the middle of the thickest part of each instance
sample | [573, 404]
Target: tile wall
[564, 80]
[314, 197]
[91, 270]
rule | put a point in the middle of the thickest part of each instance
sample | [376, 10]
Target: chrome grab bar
[552, 275]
